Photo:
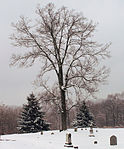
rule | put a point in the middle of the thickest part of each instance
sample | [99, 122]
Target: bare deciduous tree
[62, 40]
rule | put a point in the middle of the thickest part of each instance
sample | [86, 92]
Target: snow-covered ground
[57, 140]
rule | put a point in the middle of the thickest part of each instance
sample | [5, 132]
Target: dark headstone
[91, 131]
[113, 140]
[75, 147]
[91, 135]
[75, 129]
[41, 132]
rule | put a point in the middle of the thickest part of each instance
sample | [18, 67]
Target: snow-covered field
[57, 140]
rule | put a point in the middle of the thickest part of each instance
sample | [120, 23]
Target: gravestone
[75, 129]
[52, 133]
[113, 140]
[75, 147]
[95, 142]
[68, 140]
[81, 128]
[91, 130]
[92, 135]
[41, 132]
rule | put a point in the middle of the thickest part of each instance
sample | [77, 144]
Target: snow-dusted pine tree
[31, 118]
[83, 118]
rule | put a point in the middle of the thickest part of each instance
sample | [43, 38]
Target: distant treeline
[8, 119]
[107, 113]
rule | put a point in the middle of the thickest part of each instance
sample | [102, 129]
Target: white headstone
[68, 140]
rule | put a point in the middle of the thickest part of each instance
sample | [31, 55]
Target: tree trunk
[68, 119]
[63, 112]
[63, 100]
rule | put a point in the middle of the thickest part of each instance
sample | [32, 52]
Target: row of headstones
[75, 129]
[91, 131]
[113, 139]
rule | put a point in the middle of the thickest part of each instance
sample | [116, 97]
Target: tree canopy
[63, 40]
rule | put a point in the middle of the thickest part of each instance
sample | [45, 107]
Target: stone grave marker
[95, 142]
[75, 129]
[91, 132]
[75, 147]
[113, 140]
[41, 132]
[68, 140]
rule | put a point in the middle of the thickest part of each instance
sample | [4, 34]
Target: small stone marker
[81, 128]
[75, 147]
[113, 140]
[91, 135]
[52, 133]
[91, 130]
[41, 132]
[85, 128]
[75, 129]
[95, 142]
[68, 140]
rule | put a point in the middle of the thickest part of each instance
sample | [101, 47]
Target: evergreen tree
[31, 118]
[84, 118]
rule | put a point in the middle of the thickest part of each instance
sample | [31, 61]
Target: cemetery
[90, 138]
[59, 43]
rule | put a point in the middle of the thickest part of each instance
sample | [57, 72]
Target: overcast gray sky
[16, 83]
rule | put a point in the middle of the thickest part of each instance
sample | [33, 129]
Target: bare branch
[63, 41]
